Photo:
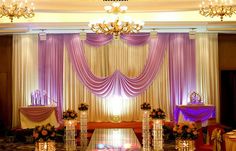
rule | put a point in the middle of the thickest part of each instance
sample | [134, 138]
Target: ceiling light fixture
[16, 9]
[219, 8]
[115, 24]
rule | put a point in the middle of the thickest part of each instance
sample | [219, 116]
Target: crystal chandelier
[16, 9]
[219, 8]
[114, 24]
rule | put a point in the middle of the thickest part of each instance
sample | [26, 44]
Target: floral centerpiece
[157, 114]
[185, 134]
[145, 106]
[187, 130]
[83, 107]
[69, 115]
[44, 133]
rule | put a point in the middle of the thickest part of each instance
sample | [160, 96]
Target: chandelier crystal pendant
[218, 8]
[116, 24]
[16, 9]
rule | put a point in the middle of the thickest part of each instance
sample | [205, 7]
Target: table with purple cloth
[195, 112]
[38, 115]
[230, 140]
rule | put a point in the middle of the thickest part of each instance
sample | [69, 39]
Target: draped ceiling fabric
[117, 84]
[207, 72]
[24, 72]
[182, 69]
[51, 69]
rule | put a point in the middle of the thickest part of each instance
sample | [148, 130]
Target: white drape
[24, 72]
[103, 61]
[207, 69]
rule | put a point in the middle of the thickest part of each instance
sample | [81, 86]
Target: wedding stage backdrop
[115, 76]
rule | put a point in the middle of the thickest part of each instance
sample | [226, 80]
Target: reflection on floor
[21, 140]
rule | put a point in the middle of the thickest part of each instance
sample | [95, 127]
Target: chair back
[217, 138]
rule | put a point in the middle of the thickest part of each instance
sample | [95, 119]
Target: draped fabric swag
[103, 61]
[117, 84]
[207, 73]
[24, 72]
[101, 58]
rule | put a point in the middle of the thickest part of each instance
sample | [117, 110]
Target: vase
[157, 134]
[185, 145]
[83, 129]
[70, 133]
[45, 146]
[145, 131]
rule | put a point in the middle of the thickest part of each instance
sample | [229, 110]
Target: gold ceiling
[74, 15]
[97, 5]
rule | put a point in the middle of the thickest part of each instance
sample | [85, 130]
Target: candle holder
[145, 131]
[45, 146]
[184, 145]
[83, 130]
[157, 134]
[70, 134]
[157, 117]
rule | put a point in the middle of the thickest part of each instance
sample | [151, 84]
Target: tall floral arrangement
[185, 131]
[145, 106]
[83, 107]
[44, 133]
[69, 115]
[158, 114]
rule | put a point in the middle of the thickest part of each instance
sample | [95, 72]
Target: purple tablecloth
[195, 112]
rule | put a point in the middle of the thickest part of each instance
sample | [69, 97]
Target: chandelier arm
[16, 10]
[215, 8]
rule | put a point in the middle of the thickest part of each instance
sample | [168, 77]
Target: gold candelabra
[17, 9]
[218, 8]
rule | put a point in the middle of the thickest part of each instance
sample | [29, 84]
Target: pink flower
[159, 113]
[53, 134]
[191, 125]
[44, 132]
[179, 131]
[195, 132]
[175, 129]
[35, 135]
[189, 130]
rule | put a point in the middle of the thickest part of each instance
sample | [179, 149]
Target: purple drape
[98, 39]
[117, 84]
[182, 69]
[101, 39]
[51, 69]
[196, 112]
